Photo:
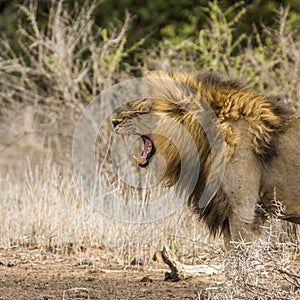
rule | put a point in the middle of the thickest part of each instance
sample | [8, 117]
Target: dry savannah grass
[53, 243]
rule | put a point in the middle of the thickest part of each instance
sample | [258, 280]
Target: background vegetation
[56, 56]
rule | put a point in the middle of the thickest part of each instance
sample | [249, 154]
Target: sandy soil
[30, 274]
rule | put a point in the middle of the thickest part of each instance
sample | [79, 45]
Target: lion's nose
[115, 122]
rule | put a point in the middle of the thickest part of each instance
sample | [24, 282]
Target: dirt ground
[32, 275]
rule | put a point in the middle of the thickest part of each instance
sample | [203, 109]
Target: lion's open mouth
[148, 151]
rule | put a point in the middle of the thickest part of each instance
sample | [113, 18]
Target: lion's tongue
[143, 158]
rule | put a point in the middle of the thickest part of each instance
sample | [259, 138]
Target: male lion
[262, 151]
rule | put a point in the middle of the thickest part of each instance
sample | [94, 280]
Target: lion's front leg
[242, 221]
[241, 184]
[239, 230]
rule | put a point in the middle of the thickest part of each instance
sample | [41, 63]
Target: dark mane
[214, 80]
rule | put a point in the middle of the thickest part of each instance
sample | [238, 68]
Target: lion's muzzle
[148, 150]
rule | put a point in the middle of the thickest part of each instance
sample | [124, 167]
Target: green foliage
[267, 60]
[275, 61]
[217, 45]
[157, 20]
[213, 48]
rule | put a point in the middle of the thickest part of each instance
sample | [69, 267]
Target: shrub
[267, 61]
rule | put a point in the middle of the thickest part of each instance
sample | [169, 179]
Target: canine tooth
[140, 160]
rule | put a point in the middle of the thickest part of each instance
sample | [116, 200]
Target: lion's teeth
[125, 138]
[140, 160]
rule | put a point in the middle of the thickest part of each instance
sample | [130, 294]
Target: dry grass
[264, 270]
[56, 73]
[48, 211]
[69, 63]
[44, 89]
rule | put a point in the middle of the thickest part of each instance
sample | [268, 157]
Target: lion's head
[157, 125]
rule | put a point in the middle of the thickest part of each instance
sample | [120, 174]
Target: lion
[262, 150]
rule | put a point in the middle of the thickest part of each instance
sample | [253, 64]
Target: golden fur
[262, 143]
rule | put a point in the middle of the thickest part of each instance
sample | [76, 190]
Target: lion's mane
[230, 102]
